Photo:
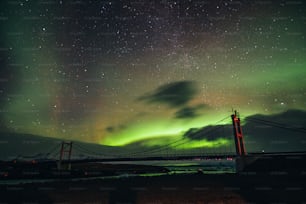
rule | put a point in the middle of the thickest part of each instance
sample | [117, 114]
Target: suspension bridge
[67, 153]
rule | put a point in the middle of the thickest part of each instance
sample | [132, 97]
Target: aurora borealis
[146, 72]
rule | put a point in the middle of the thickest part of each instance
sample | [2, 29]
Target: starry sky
[144, 73]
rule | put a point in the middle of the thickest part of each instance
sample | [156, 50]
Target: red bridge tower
[240, 149]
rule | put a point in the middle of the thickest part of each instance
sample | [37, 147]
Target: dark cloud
[293, 118]
[189, 112]
[273, 133]
[186, 112]
[112, 129]
[209, 133]
[174, 94]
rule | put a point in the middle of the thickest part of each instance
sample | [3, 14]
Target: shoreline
[175, 188]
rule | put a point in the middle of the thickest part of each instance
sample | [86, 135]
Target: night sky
[147, 72]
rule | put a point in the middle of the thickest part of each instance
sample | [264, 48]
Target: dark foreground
[275, 187]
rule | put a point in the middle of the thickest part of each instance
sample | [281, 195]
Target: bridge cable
[276, 124]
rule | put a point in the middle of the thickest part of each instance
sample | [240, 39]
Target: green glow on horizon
[178, 143]
[220, 142]
[143, 131]
[175, 141]
[158, 129]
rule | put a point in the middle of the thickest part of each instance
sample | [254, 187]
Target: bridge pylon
[65, 151]
[238, 135]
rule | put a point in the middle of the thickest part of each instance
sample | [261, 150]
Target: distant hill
[27, 146]
[282, 132]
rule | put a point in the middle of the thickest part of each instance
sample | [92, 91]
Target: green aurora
[116, 77]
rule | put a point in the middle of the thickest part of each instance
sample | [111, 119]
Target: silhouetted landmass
[289, 163]
[27, 146]
[49, 170]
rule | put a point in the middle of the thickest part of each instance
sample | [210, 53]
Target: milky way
[120, 72]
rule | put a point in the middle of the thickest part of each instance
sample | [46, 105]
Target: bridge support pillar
[241, 159]
[244, 161]
[238, 135]
[65, 151]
